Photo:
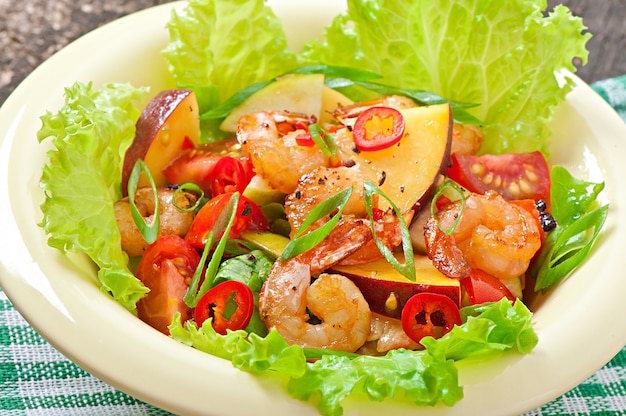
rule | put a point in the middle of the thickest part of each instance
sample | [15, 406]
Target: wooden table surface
[32, 30]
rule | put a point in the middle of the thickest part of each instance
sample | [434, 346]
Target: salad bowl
[578, 323]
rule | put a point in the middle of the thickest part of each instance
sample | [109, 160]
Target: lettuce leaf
[487, 328]
[424, 377]
[81, 179]
[579, 218]
[498, 54]
[218, 47]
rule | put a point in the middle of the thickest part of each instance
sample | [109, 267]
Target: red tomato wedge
[378, 128]
[512, 175]
[166, 269]
[249, 217]
[196, 165]
[482, 287]
[230, 304]
[429, 314]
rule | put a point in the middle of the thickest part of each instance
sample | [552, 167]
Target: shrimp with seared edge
[334, 299]
[171, 219]
[269, 140]
[494, 235]
[324, 182]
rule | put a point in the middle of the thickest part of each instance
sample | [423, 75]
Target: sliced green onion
[188, 186]
[301, 243]
[408, 268]
[323, 139]
[149, 232]
[340, 77]
[222, 226]
[419, 96]
[433, 205]
[226, 107]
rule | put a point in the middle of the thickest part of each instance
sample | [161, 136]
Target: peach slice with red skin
[167, 125]
[386, 290]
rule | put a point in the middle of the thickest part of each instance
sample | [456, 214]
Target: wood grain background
[32, 30]
[606, 21]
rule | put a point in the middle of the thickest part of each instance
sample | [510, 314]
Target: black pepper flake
[541, 205]
[349, 163]
[251, 257]
[401, 188]
[356, 150]
[321, 181]
[298, 194]
[548, 223]
[247, 210]
[383, 176]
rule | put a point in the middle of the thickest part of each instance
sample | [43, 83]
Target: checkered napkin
[35, 379]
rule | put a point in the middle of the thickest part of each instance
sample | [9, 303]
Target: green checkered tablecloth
[35, 379]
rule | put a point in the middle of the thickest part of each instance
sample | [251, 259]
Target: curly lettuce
[499, 55]
[218, 47]
[81, 179]
[426, 377]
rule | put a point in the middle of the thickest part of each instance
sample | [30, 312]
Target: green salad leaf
[497, 54]
[426, 377]
[218, 47]
[579, 218]
[81, 179]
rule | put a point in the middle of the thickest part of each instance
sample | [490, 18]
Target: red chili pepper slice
[378, 128]
[230, 304]
[229, 175]
[429, 314]
[305, 139]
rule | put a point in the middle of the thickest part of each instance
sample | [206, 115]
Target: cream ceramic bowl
[580, 325]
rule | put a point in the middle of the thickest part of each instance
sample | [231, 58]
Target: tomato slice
[166, 269]
[249, 217]
[482, 287]
[230, 304]
[429, 314]
[196, 165]
[512, 175]
[378, 128]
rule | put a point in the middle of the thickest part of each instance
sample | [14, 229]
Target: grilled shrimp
[334, 299]
[269, 140]
[466, 139]
[386, 334]
[171, 220]
[319, 185]
[325, 182]
[493, 235]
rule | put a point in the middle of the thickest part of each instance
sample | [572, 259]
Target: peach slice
[408, 171]
[386, 290]
[167, 125]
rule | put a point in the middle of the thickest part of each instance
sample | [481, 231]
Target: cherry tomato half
[512, 175]
[429, 314]
[482, 287]
[249, 217]
[378, 128]
[230, 304]
[166, 268]
[230, 175]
